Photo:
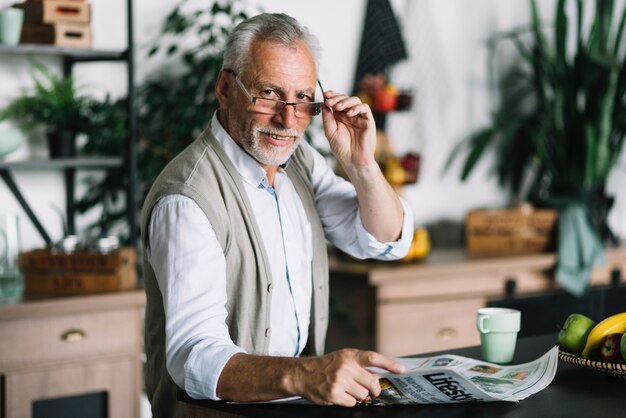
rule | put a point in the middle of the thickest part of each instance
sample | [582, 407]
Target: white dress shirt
[183, 248]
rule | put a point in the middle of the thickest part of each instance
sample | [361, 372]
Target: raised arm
[351, 131]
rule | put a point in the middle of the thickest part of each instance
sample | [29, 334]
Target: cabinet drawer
[117, 376]
[405, 328]
[37, 341]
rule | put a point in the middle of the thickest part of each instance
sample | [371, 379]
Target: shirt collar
[248, 168]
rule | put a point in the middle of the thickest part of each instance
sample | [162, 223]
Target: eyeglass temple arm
[319, 83]
[238, 81]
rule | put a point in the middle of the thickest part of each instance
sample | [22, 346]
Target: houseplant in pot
[559, 127]
[55, 104]
[174, 103]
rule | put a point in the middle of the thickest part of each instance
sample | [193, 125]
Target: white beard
[269, 154]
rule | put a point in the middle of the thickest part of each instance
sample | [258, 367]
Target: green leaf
[479, 144]
[173, 106]
[620, 32]
[565, 117]
[561, 34]
[590, 141]
[153, 50]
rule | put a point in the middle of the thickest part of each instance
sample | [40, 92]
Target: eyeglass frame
[253, 98]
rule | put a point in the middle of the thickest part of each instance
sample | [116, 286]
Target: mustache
[279, 132]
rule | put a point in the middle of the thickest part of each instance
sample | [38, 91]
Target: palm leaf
[563, 116]
[479, 144]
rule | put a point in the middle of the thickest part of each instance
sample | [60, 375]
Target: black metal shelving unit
[69, 57]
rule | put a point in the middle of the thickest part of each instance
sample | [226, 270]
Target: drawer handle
[73, 335]
[446, 334]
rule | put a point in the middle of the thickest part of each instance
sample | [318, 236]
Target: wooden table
[575, 392]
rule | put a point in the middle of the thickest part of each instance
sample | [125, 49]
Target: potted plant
[559, 128]
[54, 104]
[174, 103]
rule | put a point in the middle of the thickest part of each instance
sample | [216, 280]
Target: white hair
[274, 27]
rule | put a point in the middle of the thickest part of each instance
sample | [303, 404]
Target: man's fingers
[343, 103]
[358, 392]
[372, 358]
[360, 109]
[369, 382]
[330, 124]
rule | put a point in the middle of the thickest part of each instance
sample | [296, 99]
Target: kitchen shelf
[72, 53]
[62, 163]
[69, 165]
[68, 58]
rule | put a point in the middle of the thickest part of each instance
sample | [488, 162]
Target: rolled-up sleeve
[372, 248]
[337, 205]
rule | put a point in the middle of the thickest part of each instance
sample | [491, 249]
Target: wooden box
[48, 272]
[69, 35]
[54, 11]
[521, 230]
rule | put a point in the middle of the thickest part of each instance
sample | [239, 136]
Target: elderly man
[235, 228]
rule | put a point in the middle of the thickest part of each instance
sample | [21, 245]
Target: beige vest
[204, 173]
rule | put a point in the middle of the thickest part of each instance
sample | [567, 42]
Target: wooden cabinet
[399, 309]
[65, 347]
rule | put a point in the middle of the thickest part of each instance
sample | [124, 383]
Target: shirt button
[270, 287]
[268, 332]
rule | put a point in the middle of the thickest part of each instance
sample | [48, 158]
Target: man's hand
[350, 129]
[351, 132]
[340, 378]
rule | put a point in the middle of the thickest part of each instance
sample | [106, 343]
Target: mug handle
[481, 324]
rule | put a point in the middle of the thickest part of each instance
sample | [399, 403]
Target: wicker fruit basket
[616, 370]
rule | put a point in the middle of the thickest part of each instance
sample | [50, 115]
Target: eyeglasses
[274, 106]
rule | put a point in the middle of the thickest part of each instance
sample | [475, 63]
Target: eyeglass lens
[271, 106]
[275, 106]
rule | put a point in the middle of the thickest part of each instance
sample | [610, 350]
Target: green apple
[573, 335]
[623, 347]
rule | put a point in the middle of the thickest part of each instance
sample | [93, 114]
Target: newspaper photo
[449, 378]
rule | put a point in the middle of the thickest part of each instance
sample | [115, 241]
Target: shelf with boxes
[71, 48]
[57, 22]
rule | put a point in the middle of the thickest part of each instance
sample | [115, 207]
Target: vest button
[270, 287]
[268, 332]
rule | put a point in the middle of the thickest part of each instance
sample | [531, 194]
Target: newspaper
[449, 378]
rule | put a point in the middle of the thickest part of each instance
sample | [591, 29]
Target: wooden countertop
[454, 262]
[38, 307]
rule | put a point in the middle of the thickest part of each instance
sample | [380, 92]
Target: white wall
[447, 67]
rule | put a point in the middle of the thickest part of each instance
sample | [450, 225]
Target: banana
[611, 325]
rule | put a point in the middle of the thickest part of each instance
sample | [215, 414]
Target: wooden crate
[55, 11]
[69, 35]
[48, 272]
[521, 230]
